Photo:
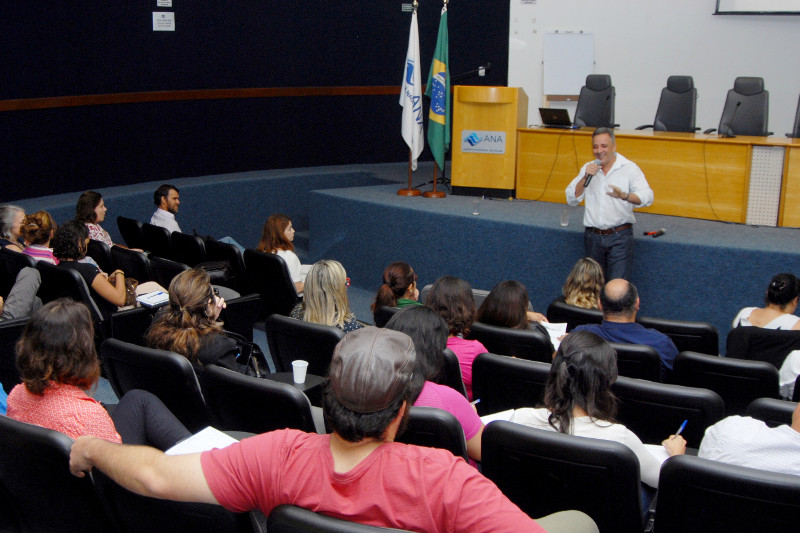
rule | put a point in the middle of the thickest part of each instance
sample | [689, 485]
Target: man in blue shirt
[619, 301]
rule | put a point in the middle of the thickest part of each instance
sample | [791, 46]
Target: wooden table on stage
[692, 174]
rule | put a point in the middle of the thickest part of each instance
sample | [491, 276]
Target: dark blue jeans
[614, 252]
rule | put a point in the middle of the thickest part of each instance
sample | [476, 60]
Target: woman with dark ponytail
[399, 287]
[780, 303]
[578, 400]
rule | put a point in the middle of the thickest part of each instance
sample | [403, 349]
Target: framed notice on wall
[568, 59]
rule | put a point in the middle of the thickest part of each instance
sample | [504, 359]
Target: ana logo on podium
[483, 142]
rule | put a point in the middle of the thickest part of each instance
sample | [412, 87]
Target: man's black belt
[609, 231]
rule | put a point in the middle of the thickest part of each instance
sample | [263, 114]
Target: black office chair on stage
[559, 311]
[502, 382]
[688, 336]
[773, 412]
[134, 264]
[156, 240]
[293, 519]
[435, 428]
[244, 403]
[290, 339]
[131, 231]
[101, 253]
[596, 103]
[638, 361]
[544, 472]
[36, 485]
[531, 344]
[166, 374]
[677, 107]
[269, 276]
[746, 110]
[737, 381]
[697, 495]
[796, 129]
[653, 411]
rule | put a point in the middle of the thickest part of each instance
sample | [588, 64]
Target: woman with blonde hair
[325, 297]
[584, 283]
[189, 326]
[277, 238]
[37, 229]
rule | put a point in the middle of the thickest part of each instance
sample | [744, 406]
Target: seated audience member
[584, 283]
[22, 300]
[37, 230]
[325, 297]
[69, 247]
[11, 217]
[57, 360]
[399, 287]
[619, 301]
[91, 210]
[780, 304]
[452, 298]
[356, 473]
[167, 201]
[507, 305]
[189, 326]
[277, 238]
[578, 400]
[429, 332]
[745, 441]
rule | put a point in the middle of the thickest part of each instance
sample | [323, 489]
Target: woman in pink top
[452, 298]
[37, 229]
[58, 362]
[428, 330]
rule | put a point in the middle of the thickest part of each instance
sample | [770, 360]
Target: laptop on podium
[556, 118]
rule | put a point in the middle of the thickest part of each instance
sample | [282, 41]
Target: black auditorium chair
[156, 240]
[10, 265]
[60, 282]
[796, 129]
[560, 311]
[501, 382]
[531, 344]
[761, 344]
[698, 495]
[101, 253]
[773, 412]
[677, 107]
[688, 336]
[238, 402]
[654, 411]
[450, 373]
[269, 276]
[131, 325]
[10, 332]
[737, 381]
[479, 295]
[746, 110]
[131, 231]
[39, 492]
[133, 263]
[544, 472]
[241, 314]
[290, 339]
[223, 251]
[796, 393]
[638, 361]
[382, 314]
[435, 428]
[187, 249]
[166, 374]
[293, 519]
[596, 102]
[164, 270]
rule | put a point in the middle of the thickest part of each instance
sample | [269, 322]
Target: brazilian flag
[439, 91]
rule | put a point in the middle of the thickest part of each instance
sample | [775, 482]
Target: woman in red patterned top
[58, 362]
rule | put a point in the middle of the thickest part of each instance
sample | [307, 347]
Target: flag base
[409, 192]
[434, 194]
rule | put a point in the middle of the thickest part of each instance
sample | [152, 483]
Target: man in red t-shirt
[357, 473]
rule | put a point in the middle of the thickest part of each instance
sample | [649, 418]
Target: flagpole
[438, 89]
[434, 193]
[411, 133]
[410, 191]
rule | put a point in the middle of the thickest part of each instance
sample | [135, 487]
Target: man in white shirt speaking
[612, 186]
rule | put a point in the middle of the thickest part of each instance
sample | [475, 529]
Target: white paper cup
[299, 368]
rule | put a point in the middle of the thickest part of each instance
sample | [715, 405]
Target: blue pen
[681, 428]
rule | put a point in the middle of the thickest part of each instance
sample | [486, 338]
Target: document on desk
[555, 330]
[502, 415]
[206, 439]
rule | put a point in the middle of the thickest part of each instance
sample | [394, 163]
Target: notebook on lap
[555, 118]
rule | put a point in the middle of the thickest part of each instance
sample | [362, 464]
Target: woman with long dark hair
[506, 306]
[399, 287]
[277, 238]
[578, 400]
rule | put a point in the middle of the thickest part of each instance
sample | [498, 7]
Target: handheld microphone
[590, 176]
[729, 129]
[655, 234]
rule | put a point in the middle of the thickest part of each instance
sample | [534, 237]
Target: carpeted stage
[699, 270]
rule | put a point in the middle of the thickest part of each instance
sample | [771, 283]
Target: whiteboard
[568, 57]
[758, 6]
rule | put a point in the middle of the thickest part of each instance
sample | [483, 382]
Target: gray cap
[371, 368]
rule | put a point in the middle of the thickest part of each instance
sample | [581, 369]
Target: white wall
[642, 42]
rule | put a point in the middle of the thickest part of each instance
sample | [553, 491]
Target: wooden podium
[484, 140]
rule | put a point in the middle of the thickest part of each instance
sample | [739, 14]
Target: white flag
[411, 96]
